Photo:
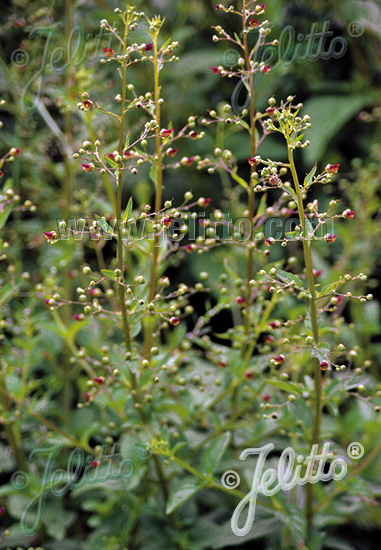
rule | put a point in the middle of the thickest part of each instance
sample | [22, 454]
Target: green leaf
[262, 205]
[288, 278]
[286, 386]
[127, 212]
[329, 113]
[310, 176]
[310, 229]
[109, 274]
[212, 455]
[127, 140]
[181, 492]
[152, 174]
[238, 178]
[104, 225]
[4, 215]
[260, 528]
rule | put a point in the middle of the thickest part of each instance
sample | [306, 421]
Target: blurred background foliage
[342, 96]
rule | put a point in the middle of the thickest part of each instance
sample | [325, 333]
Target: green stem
[158, 201]
[315, 330]
[253, 148]
[118, 213]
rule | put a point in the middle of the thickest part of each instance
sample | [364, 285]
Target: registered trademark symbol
[355, 29]
[355, 450]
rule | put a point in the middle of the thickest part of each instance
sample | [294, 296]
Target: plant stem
[119, 187]
[315, 330]
[253, 148]
[158, 201]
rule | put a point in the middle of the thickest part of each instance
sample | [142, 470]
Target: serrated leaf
[181, 492]
[104, 225]
[287, 277]
[127, 212]
[212, 455]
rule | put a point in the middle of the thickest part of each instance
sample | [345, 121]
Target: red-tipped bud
[203, 202]
[99, 380]
[89, 167]
[348, 214]
[270, 111]
[249, 375]
[109, 52]
[317, 272]
[266, 397]
[219, 7]
[171, 152]
[16, 151]
[259, 7]
[190, 247]
[254, 23]
[49, 235]
[274, 324]
[95, 463]
[86, 395]
[222, 363]
[47, 301]
[193, 134]
[166, 132]
[216, 70]
[329, 238]
[78, 316]
[187, 161]
[279, 359]
[269, 339]
[269, 241]
[266, 69]
[148, 47]
[174, 321]
[332, 168]
[112, 156]
[166, 221]
[324, 365]
[252, 161]
[240, 301]
[273, 181]
[128, 154]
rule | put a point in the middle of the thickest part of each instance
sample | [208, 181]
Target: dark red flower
[111, 156]
[190, 247]
[279, 359]
[332, 168]
[47, 301]
[128, 154]
[167, 221]
[222, 363]
[1, 173]
[330, 238]
[266, 69]
[266, 397]
[317, 272]
[273, 181]
[87, 103]
[249, 375]
[254, 23]
[188, 161]
[89, 167]
[216, 70]
[148, 47]
[174, 321]
[166, 132]
[16, 151]
[78, 316]
[99, 380]
[349, 214]
[171, 152]
[270, 111]
[240, 301]
[324, 365]
[269, 339]
[109, 52]
[193, 134]
[95, 463]
[2, 510]
[252, 161]
[50, 235]
[269, 242]
[274, 324]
